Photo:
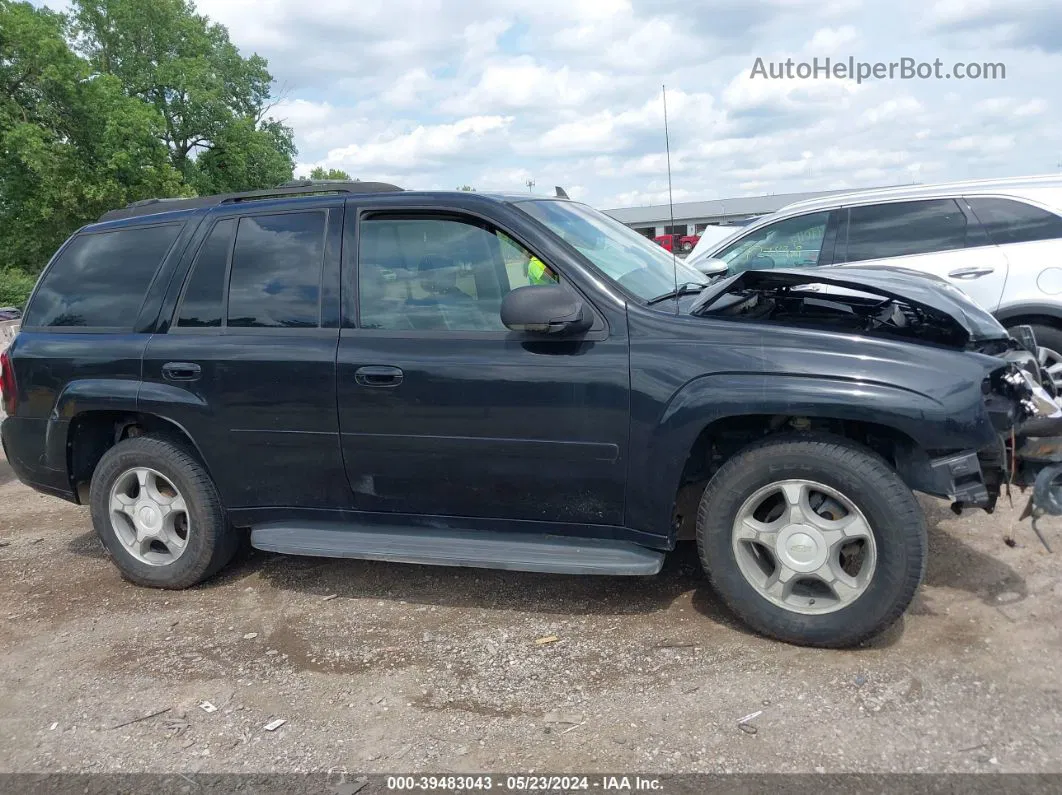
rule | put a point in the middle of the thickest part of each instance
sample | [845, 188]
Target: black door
[248, 364]
[443, 411]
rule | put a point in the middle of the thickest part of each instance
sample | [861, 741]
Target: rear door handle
[378, 376]
[970, 273]
[181, 371]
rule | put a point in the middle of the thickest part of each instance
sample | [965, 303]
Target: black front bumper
[960, 477]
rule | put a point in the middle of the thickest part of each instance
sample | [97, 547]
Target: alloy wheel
[149, 516]
[804, 546]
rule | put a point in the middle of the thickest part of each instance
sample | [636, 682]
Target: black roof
[295, 188]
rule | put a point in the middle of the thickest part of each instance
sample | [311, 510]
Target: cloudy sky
[492, 93]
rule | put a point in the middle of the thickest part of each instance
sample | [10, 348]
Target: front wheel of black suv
[159, 515]
[812, 539]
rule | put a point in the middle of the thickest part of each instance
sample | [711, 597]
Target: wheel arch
[884, 417]
[93, 432]
[723, 438]
[1031, 313]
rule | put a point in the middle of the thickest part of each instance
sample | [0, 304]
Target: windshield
[628, 258]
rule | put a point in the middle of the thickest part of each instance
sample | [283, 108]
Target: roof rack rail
[304, 187]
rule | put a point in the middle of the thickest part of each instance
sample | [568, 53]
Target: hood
[890, 301]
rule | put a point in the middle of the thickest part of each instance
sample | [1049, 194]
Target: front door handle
[378, 376]
[181, 371]
[970, 273]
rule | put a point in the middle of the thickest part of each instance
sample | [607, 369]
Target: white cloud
[1016, 23]
[494, 93]
[522, 83]
[424, 146]
[982, 145]
[408, 89]
[891, 110]
[746, 93]
[830, 41]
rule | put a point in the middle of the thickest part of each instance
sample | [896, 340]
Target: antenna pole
[670, 199]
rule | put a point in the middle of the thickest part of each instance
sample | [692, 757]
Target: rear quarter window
[100, 278]
[1010, 221]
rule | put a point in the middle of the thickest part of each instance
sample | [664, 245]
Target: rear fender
[78, 397]
[111, 395]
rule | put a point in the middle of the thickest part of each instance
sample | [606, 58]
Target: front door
[442, 410]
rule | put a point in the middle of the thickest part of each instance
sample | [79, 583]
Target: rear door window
[100, 278]
[276, 271]
[1010, 221]
[203, 304]
[901, 229]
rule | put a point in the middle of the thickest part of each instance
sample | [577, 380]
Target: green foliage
[467, 188]
[333, 173]
[15, 287]
[245, 157]
[154, 101]
[185, 66]
[72, 144]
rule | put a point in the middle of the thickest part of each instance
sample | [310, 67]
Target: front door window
[439, 274]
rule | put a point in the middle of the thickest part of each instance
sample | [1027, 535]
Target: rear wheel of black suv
[812, 539]
[159, 515]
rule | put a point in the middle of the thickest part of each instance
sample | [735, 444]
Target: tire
[209, 541]
[687, 247]
[894, 540]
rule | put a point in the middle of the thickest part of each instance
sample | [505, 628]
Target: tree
[245, 156]
[72, 144]
[467, 188]
[333, 173]
[209, 96]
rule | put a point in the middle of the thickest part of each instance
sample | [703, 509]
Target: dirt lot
[393, 668]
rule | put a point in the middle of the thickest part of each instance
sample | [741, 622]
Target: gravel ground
[390, 668]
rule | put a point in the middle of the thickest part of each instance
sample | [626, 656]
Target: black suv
[353, 370]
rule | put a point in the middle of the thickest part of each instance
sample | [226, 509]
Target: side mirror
[546, 309]
[710, 266]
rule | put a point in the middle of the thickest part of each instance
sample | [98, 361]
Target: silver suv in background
[1000, 241]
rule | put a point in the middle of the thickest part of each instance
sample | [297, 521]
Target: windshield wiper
[686, 288]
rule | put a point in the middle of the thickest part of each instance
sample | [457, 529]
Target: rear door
[935, 236]
[443, 411]
[247, 365]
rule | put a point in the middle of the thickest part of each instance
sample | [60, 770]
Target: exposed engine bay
[797, 306]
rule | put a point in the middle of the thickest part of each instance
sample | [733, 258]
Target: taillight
[8, 393]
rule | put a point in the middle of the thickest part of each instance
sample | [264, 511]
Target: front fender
[947, 421]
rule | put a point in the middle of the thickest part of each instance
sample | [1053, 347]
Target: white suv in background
[1000, 241]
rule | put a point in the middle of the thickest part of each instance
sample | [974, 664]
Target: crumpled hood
[928, 293]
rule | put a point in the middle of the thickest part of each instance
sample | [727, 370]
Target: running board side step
[448, 547]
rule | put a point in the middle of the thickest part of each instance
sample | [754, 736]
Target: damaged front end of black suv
[1018, 395]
